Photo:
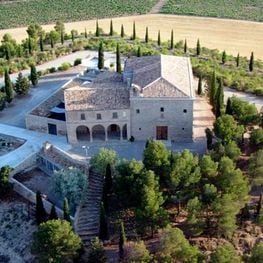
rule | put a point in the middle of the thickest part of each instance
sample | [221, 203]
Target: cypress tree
[219, 105]
[66, 214]
[97, 34]
[185, 46]
[199, 89]
[51, 42]
[101, 56]
[259, 205]
[8, 86]
[72, 36]
[251, 62]
[85, 33]
[30, 48]
[62, 37]
[111, 28]
[172, 40]
[159, 38]
[41, 214]
[224, 57]
[53, 213]
[198, 48]
[122, 239]
[7, 53]
[41, 44]
[139, 52]
[118, 65]
[105, 198]
[122, 31]
[103, 232]
[134, 31]
[108, 178]
[212, 90]
[209, 138]
[229, 107]
[237, 60]
[146, 35]
[33, 75]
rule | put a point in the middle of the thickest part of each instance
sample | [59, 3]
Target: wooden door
[161, 132]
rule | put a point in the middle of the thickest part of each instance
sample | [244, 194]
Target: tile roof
[174, 71]
[107, 92]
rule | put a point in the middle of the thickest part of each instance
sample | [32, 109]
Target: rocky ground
[9, 143]
[16, 230]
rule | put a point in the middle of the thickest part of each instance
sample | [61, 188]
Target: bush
[256, 137]
[77, 61]
[52, 70]
[64, 66]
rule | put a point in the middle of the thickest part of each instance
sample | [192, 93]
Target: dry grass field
[224, 34]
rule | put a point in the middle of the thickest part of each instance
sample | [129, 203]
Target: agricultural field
[22, 13]
[235, 9]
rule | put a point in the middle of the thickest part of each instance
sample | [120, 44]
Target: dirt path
[224, 34]
[157, 8]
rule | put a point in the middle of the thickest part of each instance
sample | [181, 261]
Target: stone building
[153, 98]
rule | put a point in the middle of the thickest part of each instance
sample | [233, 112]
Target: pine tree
[172, 40]
[8, 87]
[22, 85]
[103, 232]
[97, 34]
[101, 56]
[229, 107]
[134, 31]
[251, 62]
[122, 239]
[224, 57]
[108, 178]
[85, 33]
[62, 37]
[219, 105]
[146, 35]
[185, 46]
[66, 214]
[139, 52]
[198, 48]
[199, 89]
[41, 214]
[159, 38]
[33, 75]
[53, 213]
[212, 90]
[122, 31]
[238, 60]
[111, 28]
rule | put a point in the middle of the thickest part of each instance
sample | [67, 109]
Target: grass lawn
[236, 9]
[22, 13]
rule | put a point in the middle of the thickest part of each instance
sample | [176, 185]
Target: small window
[185, 110]
[140, 129]
[98, 116]
[162, 109]
[183, 129]
[138, 111]
[115, 115]
[82, 116]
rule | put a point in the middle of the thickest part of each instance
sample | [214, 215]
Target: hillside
[235, 9]
[22, 13]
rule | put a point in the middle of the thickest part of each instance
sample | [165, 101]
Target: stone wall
[177, 114]
[40, 124]
[74, 120]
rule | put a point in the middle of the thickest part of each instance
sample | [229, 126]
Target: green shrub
[64, 66]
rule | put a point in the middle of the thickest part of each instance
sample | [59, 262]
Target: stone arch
[114, 132]
[98, 133]
[124, 132]
[83, 133]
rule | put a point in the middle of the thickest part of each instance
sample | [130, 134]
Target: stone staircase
[87, 221]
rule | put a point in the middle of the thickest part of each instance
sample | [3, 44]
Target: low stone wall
[40, 124]
[31, 197]
[28, 164]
